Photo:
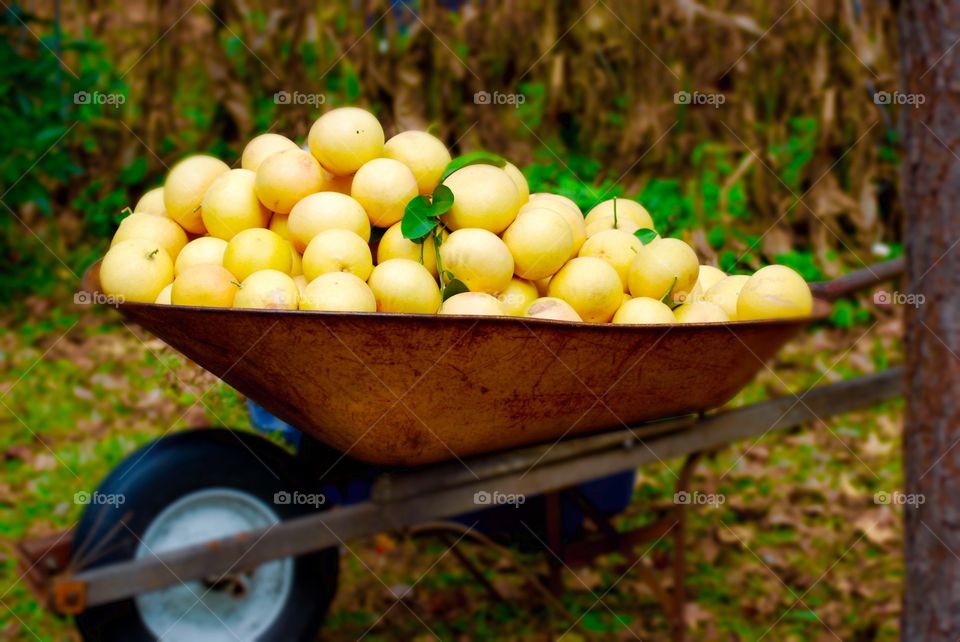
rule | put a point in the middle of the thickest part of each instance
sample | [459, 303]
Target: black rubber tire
[171, 467]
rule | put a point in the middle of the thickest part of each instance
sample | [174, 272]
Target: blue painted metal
[611, 495]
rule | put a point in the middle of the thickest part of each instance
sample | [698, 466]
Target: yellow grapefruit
[284, 178]
[570, 213]
[662, 266]
[616, 247]
[280, 224]
[517, 296]
[326, 211]
[206, 250]
[205, 285]
[151, 203]
[700, 312]
[519, 181]
[484, 197]
[552, 308]
[402, 285]
[424, 154]
[337, 251]
[726, 292]
[257, 249]
[591, 286]
[644, 311]
[473, 303]
[540, 241]
[338, 292]
[231, 205]
[626, 210]
[393, 245]
[136, 270]
[383, 187]
[185, 186]
[344, 139]
[164, 297]
[268, 290]
[156, 229]
[479, 258]
[774, 292]
[262, 146]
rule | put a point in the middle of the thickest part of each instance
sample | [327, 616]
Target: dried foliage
[798, 146]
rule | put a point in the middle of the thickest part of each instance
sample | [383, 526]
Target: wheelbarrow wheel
[193, 487]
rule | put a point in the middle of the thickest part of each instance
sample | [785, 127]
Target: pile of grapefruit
[291, 229]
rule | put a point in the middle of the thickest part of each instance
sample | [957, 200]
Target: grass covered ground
[799, 550]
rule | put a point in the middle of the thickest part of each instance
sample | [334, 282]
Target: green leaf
[442, 200]
[418, 219]
[666, 297]
[645, 235]
[473, 158]
[455, 286]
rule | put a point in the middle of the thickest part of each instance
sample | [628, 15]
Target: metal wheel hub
[237, 606]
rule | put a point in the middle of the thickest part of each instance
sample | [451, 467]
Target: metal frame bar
[405, 499]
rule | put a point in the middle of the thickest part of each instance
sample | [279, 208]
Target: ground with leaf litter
[798, 550]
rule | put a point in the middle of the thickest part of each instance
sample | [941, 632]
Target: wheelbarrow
[404, 420]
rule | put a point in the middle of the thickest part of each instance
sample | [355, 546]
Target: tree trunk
[930, 71]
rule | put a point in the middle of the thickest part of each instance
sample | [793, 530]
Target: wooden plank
[394, 486]
[314, 532]
[859, 279]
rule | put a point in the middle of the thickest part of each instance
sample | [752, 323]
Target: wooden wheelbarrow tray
[413, 389]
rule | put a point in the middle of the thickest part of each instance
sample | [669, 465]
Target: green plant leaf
[455, 286]
[666, 297]
[418, 219]
[645, 235]
[442, 200]
[473, 158]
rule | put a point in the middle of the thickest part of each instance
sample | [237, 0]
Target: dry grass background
[599, 78]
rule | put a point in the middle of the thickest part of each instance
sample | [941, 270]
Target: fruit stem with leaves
[421, 218]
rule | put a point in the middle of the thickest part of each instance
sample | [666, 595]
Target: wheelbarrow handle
[859, 279]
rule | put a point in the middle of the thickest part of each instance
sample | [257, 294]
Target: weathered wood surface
[930, 56]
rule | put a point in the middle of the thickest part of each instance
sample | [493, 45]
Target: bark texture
[930, 68]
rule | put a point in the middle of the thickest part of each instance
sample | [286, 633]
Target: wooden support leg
[555, 541]
[678, 628]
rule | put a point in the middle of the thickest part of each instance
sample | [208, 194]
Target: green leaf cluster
[421, 218]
